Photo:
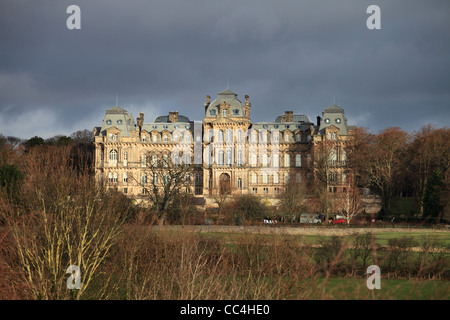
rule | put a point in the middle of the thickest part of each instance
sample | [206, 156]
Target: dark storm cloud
[166, 55]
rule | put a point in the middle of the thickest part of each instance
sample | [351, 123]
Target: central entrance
[225, 184]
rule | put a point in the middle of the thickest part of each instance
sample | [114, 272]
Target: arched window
[228, 135]
[143, 161]
[287, 160]
[220, 136]
[298, 160]
[275, 160]
[239, 136]
[276, 178]
[287, 137]
[220, 158]
[113, 157]
[228, 158]
[239, 183]
[239, 158]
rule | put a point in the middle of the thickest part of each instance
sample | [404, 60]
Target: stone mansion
[227, 150]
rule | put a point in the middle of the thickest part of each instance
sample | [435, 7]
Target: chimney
[208, 102]
[318, 120]
[140, 120]
[173, 116]
[289, 116]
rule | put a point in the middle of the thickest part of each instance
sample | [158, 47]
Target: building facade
[226, 150]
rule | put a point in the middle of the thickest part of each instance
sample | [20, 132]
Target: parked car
[310, 218]
[338, 221]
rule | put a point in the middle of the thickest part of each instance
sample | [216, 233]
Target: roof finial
[228, 88]
[117, 99]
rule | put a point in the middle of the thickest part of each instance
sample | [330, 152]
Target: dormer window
[212, 112]
[224, 112]
[338, 120]
[327, 121]
[108, 122]
[119, 122]
[236, 112]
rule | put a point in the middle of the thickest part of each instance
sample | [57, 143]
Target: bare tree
[164, 178]
[350, 202]
[292, 198]
[67, 219]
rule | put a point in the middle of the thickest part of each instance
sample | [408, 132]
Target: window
[286, 137]
[176, 137]
[220, 136]
[264, 136]
[144, 137]
[276, 178]
[239, 136]
[254, 178]
[212, 112]
[327, 120]
[275, 136]
[220, 158]
[228, 158]
[264, 160]
[125, 159]
[275, 160]
[110, 177]
[265, 177]
[113, 136]
[344, 177]
[338, 120]
[187, 178]
[265, 190]
[165, 161]
[144, 178]
[253, 159]
[165, 138]
[155, 138]
[298, 177]
[155, 178]
[187, 137]
[166, 178]
[276, 190]
[198, 178]
[125, 177]
[298, 160]
[224, 112]
[236, 112]
[125, 190]
[298, 137]
[239, 183]
[286, 177]
[154, 160]
[113, 157]
[108, 122]
[119, 122]
[228, 136]
[255, 190]
[287, 160]
[143, 161]
[239, 157]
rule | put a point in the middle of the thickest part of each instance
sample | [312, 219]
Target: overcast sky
[298, 55]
